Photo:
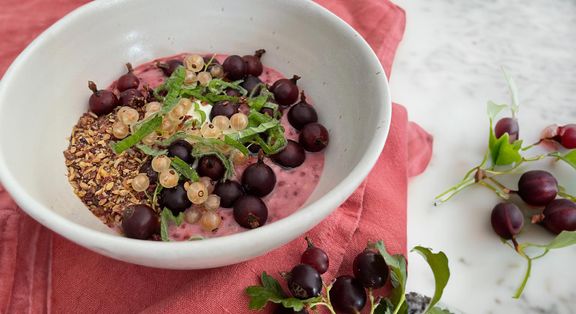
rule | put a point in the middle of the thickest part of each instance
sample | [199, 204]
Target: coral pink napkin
[42, 272]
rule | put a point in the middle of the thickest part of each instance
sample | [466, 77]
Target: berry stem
[309, 242]
[325, 304]
[400, 302]
[129, 67]
[258, 53]
[372, 305]
[530, 146]
[498, 192]
[526, 275]
[567, 196]
[92, 86]
[448, 194]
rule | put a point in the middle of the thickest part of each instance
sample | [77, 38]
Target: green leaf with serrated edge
[244, 135]
[218, 86]
[439, 265]
[258, 102]
[397, 265]
[146, 128]
[236, 144]
[201, 149]
[165, 217]
[271, 291]
[502, 152]
[151, 151]
[569, 157]
[494, 109]
[174, 86]
[184, 169]
[176, 136]
[513, 91]
[200, 112]
[563, 239]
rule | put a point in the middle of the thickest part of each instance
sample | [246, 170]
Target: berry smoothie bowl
[190, 141]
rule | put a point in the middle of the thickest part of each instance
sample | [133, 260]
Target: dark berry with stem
[253, 64]
[347, 295]
[250, 212]
[507, 125]
[293, 155]
[146, 168]
[170, 66]
[232, 92]
[181, 149]
[537, 187]
[102, 101]
[567, 136]
[234, 67]
[223, 108]
[132, 98]
[128, 80]
[229, 191]
[258, 179]
[370, 269]
[302, 113]
[507, 220]
[315, 257]
[560, 215]
[285, 91]
[175, 199]
[212, 167]
[314, 137]
[139, 222]
[252, 84]
[304, 282]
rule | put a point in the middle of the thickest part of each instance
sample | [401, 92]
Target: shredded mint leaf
[166, 217]
[439, 264]
[202, 149]
[218, 86]
[258, 102]
[176, 136]
[248, 133]
[150, 151]
[398, 274]
[494, 109]
[502, 152]
[236, 144]
[271, 291]
[184, 169]
[146, 128]
[200, 112]
[174, 85]
[157, 191]
[564, 239]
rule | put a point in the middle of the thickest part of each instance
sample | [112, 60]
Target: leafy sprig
[270, 289]
[166, 218]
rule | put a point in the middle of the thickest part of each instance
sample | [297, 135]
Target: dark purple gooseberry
[250, 212]
[132, 98]
[302, 113]
[293, 155]
[212, 167]
[283, 310]
[102, 101]
[182, 150]
[507, 220]
[537, 187]
[223, 108]
[146, 168]
[560, 215]
[314, 137]
[234, 67]
[304, 282]
[347, 295]
[567, 135]
[128, 80]
[232, 92]
[258, 179]
[285, 91]
[229, 191]
[139, 222]
[252, 84]
[370, 269]
[253, 64]
[169, 66]
[175, 199]
[315, 257]
[507, 125]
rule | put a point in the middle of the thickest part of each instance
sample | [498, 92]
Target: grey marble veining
[447, 67]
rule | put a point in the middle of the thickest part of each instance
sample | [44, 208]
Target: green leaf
[176, 136]
[236, 144]
[502, 152]
[258, 102]
[437, 310]
[569, 157]
[494, 109]
[243, 135]
[218, 86]
[184, 169]
[384, 307]
[398, 274]
[202, 148]
[146, 128]
[174, 85]
[564, 239]
[271, 291]
[439, 264]
[165, 217]
[157, 191]
[200, 112]
[151, 151]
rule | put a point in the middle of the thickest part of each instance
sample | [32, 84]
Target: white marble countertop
[446, 69]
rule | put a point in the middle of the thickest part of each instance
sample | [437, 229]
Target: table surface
[446, 69]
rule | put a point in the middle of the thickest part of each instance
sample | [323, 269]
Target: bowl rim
[325, 205]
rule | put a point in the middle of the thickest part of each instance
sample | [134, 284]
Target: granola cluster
[99, 177]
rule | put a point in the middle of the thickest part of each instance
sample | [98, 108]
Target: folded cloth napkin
[43, 272]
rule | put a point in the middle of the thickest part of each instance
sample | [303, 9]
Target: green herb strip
[184, 169]
[135, 138]
[150, 151]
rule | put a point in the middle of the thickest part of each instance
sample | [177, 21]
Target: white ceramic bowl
[44, 92]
